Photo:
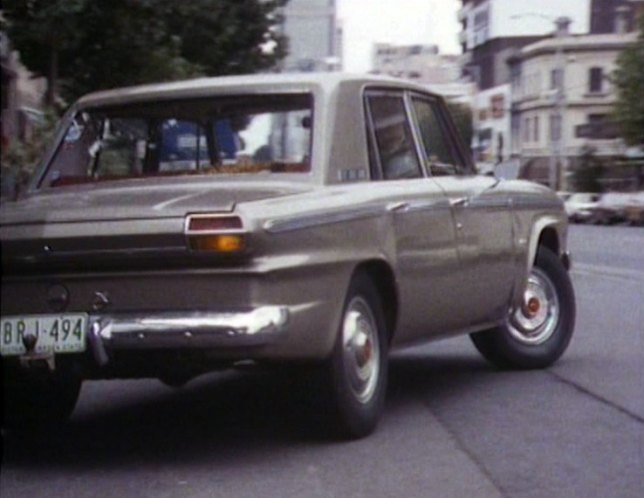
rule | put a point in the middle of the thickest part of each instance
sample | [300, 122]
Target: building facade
[314, 34]
[421, 63]
[484, 20]
[493, 31]
[614, 16]
[562, 101]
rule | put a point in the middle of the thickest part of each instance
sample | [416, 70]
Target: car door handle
[395, 207]
[459, 201]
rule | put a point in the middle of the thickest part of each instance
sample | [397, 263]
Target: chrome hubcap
[536, 319]
[361, 350]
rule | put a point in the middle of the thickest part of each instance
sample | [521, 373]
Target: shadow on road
[221, 417]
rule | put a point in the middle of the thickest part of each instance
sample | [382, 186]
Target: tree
[41, 30]
[20, 159]
[629, 81]
[585, 176]
[85, 45]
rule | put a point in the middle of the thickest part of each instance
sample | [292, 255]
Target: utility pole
[558, 141]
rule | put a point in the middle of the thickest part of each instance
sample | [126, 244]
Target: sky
[401, 22]
[407, 22]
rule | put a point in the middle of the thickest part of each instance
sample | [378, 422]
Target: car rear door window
[395, 152]
[441, 153]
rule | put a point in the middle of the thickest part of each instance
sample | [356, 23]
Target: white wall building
[559, 116]
[421, 63]
[492, 124]
[315, 36]
[483, 20]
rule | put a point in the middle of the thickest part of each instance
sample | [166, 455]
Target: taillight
[223, 234]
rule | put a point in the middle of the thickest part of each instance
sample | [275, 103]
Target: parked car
[564, 195]
[342, 220]
[579, 206]
[634, 210]
[610, 209]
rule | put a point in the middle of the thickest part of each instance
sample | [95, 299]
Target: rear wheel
[538, 332]
[356, 374]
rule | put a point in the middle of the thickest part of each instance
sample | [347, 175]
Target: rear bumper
[183, 330]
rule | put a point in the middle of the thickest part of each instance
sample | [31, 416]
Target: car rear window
[233, 135]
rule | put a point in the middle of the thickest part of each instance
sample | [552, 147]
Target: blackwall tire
[537, 334]
[355, 376]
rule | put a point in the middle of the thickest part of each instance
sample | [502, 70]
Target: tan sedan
[319, 220]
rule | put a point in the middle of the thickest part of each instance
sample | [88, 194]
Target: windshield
[231, 135]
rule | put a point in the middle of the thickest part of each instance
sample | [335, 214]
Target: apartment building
[562, 101]
[315, 36]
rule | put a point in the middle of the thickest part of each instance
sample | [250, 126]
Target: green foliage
[20, 159]
[586, 175]
[629, 81]
[97, 44]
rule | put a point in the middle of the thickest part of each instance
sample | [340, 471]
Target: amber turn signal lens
[222, 243]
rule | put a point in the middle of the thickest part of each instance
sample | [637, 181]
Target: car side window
[394, 143]
[440, 151]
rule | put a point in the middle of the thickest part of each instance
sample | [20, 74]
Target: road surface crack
[461, 446]
[597, 397]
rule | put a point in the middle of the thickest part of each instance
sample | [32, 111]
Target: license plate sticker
[53, 333]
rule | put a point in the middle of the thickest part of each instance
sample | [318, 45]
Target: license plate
[54, 333]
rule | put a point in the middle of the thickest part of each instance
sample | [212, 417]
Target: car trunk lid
[101, 227]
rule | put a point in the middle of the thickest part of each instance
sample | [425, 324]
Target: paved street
[453, 427]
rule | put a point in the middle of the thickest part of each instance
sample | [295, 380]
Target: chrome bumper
[185, 330]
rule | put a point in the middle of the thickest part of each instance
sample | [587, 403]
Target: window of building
[535, 129]
[595, 80]
[526, 130]
[556, 79]
[596, 119]
[555, 127]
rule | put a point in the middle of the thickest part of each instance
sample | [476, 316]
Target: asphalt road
[453, 426]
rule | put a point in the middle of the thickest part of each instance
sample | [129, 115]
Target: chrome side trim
[532, 202]
[428, 205]
[281, 225]
[397, 207]
[459, 201]
[489, 203]
[54, 255]
[176, 330]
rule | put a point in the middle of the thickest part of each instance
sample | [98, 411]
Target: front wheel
[538, 332]
[356, 373]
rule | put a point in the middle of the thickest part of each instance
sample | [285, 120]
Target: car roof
[254, 83]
